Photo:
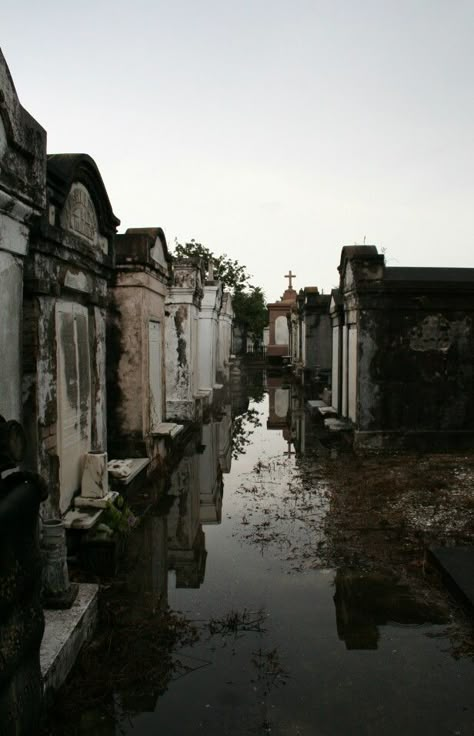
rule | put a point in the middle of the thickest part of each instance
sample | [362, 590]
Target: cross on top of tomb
[290, 276]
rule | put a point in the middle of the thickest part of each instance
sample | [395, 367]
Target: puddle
[289, 615]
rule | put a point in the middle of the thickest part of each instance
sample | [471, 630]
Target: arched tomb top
[76, 188]
[159, 250]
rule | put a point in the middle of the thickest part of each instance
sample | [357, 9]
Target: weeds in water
[270, 671]
[235, 622]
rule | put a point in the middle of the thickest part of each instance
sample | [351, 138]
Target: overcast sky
[275, 131]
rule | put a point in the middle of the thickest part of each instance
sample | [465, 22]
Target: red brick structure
[278, 344]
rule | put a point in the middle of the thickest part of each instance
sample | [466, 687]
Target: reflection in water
[279, 403]
[287, 412]
[197, 487]
[210, 476]
[186, 540]
[148, 562]
[291, 676]
[365, 601]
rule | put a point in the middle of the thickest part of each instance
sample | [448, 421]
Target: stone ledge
[81, 518]
[65, 633]
[335, 424]
[327, 411]
[168, 429]
[124, 471]
[95, 503]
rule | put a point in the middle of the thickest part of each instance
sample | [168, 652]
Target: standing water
[297, 616]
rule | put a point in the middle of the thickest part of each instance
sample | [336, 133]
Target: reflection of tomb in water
[186, 541]
[149, 580]
[225, 440]
[210, 476]
[197, 487]
[278, 403]
[365, 601]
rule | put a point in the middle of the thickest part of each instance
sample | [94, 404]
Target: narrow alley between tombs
[278, 585]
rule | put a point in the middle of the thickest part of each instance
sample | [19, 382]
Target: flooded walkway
[294, 621]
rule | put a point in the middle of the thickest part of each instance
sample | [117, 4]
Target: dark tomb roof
[428, 274]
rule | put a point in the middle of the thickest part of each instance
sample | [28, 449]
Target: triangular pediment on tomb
[76, 188]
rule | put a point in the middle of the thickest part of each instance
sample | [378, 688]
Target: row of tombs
[110, 347]
[389, 354]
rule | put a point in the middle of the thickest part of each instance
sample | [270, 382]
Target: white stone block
[95, 482]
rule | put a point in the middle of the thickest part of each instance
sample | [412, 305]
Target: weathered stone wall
[11, 294]
[416, 361]
[22, 197]
[181, 340]
[224, 346]
[208, 336]
[318, 334]
[138, 297]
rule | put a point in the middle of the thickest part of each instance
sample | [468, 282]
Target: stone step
[66, 631]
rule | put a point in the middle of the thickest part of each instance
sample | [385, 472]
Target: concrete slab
[82, 518]
[457, 567]
[168, 429]
[95, 503]
[337, 425]
[65, 633]
[314, 404]
[327, 411]
[124, 471]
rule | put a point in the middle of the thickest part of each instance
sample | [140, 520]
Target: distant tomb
[278, 315]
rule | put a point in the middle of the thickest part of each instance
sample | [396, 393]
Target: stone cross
[290, 276]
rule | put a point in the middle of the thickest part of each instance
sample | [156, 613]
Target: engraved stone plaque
[80, 218]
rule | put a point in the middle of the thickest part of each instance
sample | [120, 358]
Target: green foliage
[250, 309]
[248, 301]
[117, 519]
[231, 273]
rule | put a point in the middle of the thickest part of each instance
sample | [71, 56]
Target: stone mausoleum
[136, 343]
[278, 322]
[403, 352]
[67, 271]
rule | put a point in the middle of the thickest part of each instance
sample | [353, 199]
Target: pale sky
[275, 131]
